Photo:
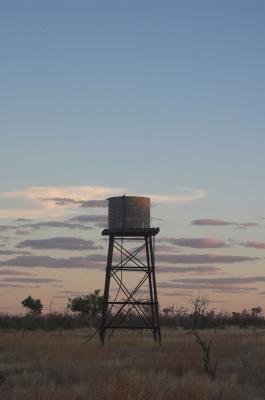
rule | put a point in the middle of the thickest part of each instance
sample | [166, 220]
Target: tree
[199, 305]
[199, 314]
[256, 311]
[168, 310]
[90, 304]
[34, 306]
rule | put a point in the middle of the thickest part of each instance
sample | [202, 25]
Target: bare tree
[198, 316]
[199, 305]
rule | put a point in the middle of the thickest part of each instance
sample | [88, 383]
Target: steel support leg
[106, 291]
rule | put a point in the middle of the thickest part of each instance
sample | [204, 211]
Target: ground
[47, 366]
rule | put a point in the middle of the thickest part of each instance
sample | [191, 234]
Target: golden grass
[45, 366]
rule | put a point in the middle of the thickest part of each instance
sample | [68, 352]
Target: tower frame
[146, 310]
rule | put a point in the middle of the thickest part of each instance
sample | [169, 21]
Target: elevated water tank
[129, 212]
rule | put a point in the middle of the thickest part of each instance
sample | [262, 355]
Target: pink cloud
[198, 270]
[218, 222]
[200, 243]
[213, 222]
[256, 245]
[202, 258]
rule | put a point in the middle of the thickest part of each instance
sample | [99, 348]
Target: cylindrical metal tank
[129, 212]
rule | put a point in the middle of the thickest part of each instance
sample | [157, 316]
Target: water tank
[129, 212]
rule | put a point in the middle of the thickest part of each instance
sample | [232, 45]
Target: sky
[157, 98]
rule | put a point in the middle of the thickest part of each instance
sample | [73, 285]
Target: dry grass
[45, 366]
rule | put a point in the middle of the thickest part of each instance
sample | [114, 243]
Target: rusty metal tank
[129, 212]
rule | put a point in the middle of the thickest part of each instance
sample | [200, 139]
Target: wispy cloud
[160, 248]
[72, 193]
[65, 294]
[31, 280]
[186, 195]
[213, 287]
[47, 200]
[177, 293]
[202, 258]
[61, 201]
[95, 261]
[94, 204]
[13, 252]
[198, 270]
[256, 245]
[228, 284]
[55, 224]
[14, 272]
[4, 238]
[4, 228]
[72, 292]
[211, 222]
[218, 222]
[22, 232]
[64, 201]
[63, 243]
[246, 225]
[223, 280]
[199, 243]
[12, 286]
[89, 219]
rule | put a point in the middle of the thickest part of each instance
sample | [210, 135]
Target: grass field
[44, 365]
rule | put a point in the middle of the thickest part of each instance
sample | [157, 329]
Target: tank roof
[128, 197]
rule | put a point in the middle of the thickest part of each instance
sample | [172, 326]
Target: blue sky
[147, 96]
